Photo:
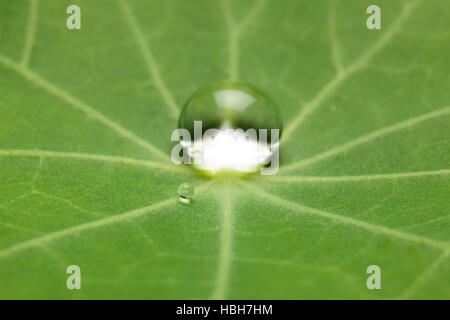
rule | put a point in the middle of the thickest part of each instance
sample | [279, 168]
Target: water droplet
[185, 192]
[239, 129]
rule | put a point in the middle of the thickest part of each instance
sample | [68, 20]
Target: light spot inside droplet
[233, 99]
[231, 109]
[229, 150]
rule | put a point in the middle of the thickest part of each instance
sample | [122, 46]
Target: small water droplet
[230, 105]
[185, 192]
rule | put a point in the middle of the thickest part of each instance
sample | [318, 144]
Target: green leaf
[86, 177]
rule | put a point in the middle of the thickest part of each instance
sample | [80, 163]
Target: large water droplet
[185, 192]
[234, 117]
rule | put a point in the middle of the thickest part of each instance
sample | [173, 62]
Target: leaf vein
[235, 31]
[30, 33]
[38, 241]
[359, 178]
[366, 138]
[377, 229]
[149, 59]
[420, 280]
[79, 105]
[360, 62]
[95, 157]
[334, 40]
[220, 286]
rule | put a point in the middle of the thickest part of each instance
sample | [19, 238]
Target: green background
[86, 179]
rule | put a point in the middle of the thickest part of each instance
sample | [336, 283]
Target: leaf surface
[86, 176]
